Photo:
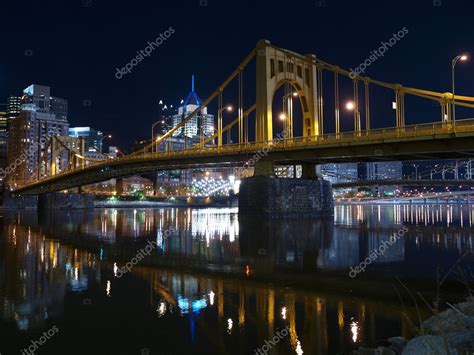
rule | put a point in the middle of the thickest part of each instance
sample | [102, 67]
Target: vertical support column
[309, 171]
[52, 168]
[400, 106]
[310, 98]
[336, 103]
[367, 107]
[446, 111]
[241, 108]
[82, 151]
[264, 168]
[357, 127]
[263, 121]
[320, 102]
[219, 121]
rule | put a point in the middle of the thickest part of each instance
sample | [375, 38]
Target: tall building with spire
[201, 123]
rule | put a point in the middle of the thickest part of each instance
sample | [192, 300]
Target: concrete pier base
[285, 198]
[58, 200]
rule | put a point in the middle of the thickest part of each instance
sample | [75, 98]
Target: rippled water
[215, 284]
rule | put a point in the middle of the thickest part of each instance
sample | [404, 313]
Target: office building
[58, 107]
[29, 133]
[93, 138]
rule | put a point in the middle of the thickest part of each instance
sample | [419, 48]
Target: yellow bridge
[302, 79]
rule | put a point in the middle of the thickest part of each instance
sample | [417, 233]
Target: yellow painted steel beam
[229, 125]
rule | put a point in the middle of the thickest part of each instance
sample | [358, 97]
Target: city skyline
[94, 94]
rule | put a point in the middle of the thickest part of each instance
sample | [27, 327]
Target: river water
[214, 284]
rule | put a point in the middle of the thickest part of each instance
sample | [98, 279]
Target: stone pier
[272, 197]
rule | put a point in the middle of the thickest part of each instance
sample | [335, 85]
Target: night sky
[76, 46]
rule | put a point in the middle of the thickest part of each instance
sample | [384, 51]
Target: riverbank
[448, 332]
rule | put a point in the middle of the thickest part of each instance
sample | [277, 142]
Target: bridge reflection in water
[56, 267]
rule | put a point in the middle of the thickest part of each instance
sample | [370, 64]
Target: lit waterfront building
[30, 131]
[336, 173]
[384, 170]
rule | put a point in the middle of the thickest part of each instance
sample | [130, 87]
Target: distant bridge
[403, 182]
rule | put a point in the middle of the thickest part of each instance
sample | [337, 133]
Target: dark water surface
[214, 284]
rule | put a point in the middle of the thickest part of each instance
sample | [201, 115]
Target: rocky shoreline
[449, 332]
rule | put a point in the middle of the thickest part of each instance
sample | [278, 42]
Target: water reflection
[48, 259]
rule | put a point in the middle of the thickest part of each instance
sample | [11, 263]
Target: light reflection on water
[48, 259]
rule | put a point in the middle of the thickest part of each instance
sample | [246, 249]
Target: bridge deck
[416, 142]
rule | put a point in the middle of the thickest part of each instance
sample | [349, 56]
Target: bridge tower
[276, 67]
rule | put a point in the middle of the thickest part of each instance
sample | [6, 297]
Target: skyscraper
[29, 133]
[201, 123]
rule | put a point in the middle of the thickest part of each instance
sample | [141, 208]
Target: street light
[100, 141]
[152, 136]
[118, 151]
[282, 116]
[416, 171]
[227, 108]
[350, 105]
[462, 58]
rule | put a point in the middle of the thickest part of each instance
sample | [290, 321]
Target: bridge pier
[271, 197]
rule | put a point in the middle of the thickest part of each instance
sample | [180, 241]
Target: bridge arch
[275, 67]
